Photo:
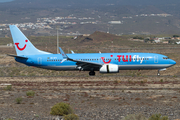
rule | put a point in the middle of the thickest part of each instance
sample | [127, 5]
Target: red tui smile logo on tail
[21, 49]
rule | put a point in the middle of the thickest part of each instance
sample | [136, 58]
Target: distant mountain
[87, 3]
[21, 11]
[115, 6]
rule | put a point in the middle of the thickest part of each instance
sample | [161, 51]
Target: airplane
[28, 54]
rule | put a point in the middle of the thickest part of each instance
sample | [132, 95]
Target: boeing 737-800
[102, 62]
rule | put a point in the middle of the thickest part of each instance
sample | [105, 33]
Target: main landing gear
[91, 73]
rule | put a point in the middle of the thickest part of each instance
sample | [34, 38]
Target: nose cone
[172, 62]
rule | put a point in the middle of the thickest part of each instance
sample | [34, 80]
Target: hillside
[102, 11]
[98, 41]
[87, 3]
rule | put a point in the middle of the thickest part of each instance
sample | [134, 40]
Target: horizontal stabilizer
[18, 56]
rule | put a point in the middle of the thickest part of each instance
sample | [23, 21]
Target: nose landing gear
[158, 74]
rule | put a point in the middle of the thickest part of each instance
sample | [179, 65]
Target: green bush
[30, 93]
[18, 100]
[138, 37]
[158, 117]
[9, 119]
[8, 87]
[61, 109]
[71, 117]
[135, 117]
[175, 35]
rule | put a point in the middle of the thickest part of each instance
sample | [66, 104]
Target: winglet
[72, 52]
[65, 57]
[63, 54]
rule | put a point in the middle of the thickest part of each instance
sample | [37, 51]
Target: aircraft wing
[86, 64]
[80, 63]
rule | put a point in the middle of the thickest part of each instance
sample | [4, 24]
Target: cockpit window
[165, 58]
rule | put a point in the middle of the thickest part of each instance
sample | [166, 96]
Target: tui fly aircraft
[102, 62]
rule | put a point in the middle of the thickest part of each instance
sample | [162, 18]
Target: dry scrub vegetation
[104, 96]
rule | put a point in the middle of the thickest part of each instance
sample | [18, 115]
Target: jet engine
[109, 68]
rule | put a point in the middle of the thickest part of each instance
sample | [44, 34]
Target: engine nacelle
[109, 68]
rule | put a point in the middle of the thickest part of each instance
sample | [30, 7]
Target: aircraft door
[39, 60]
[156, 59]
[100, 60]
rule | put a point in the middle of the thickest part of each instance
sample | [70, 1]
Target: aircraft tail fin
[22, 45]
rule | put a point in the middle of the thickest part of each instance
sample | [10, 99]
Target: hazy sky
[1, 1]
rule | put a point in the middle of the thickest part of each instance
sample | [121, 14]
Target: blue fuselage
[125, 61]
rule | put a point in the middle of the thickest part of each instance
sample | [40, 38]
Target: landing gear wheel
[158, 74]
[91, 73]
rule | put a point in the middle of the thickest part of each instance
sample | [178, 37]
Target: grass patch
[61, 109]
[135, 117]
[158, 117]
[71, 117]
[30, 93]
[18, 100]
[161, 81]
[8, 88]
[142, 117]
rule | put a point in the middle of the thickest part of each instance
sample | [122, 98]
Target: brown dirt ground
[105, 96]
